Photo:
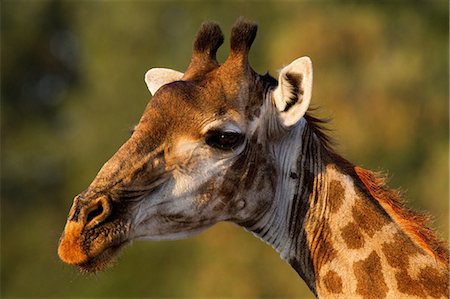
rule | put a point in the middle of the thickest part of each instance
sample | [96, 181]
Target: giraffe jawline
[103, 260]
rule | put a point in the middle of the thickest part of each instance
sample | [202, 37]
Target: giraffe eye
[223, 140]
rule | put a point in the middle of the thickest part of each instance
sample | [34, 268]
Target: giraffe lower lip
[103, 260]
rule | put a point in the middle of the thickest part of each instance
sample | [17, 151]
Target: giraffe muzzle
[84, 215]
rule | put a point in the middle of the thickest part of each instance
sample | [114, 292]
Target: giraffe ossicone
[220, 142]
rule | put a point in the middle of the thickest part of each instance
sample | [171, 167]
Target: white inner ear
[293, 94]
[157, 77]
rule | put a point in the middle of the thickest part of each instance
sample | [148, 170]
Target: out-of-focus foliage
[72, 86]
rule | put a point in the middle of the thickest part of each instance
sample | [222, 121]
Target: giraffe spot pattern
[352, 236]
[407, 285]
[368, 217]
[397, 251]
[336, 196]
[429, 282]
[332, 282]
[369, 276]
[435, 283]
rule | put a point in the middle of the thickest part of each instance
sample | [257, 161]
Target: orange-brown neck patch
[369, 276]
[332, 282]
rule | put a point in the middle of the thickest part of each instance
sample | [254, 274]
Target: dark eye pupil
[223, 140]
[228, 138]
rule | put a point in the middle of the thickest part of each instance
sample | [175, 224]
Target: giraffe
[220, 142]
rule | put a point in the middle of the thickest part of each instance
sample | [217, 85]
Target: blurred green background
[72, 87]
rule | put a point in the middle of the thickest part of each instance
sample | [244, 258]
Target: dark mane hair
[318, 127]
[413, 223]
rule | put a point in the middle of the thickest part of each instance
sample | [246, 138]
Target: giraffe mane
[391, 200]
[318, 127]
[413, 223]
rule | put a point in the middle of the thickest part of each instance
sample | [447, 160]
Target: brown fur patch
[367, 217]
[332, 282]
[369, 276]
[414, 224]
[398, 250]
[336, 196]
[435, 283]
[430, 281]
[352, 236]
[407, 285]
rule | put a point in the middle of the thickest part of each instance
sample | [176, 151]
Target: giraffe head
[204, 151]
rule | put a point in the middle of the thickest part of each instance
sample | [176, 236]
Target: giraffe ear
[293, 94]
[157, 77]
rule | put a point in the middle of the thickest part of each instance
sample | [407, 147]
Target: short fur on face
[166, 181]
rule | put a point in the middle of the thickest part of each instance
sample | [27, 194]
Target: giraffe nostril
[98, 212]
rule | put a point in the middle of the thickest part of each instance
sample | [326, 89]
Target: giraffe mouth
[103, 260]
[95, 249]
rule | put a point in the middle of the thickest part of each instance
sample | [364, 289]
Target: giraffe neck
[300, 180]
[338, 238]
